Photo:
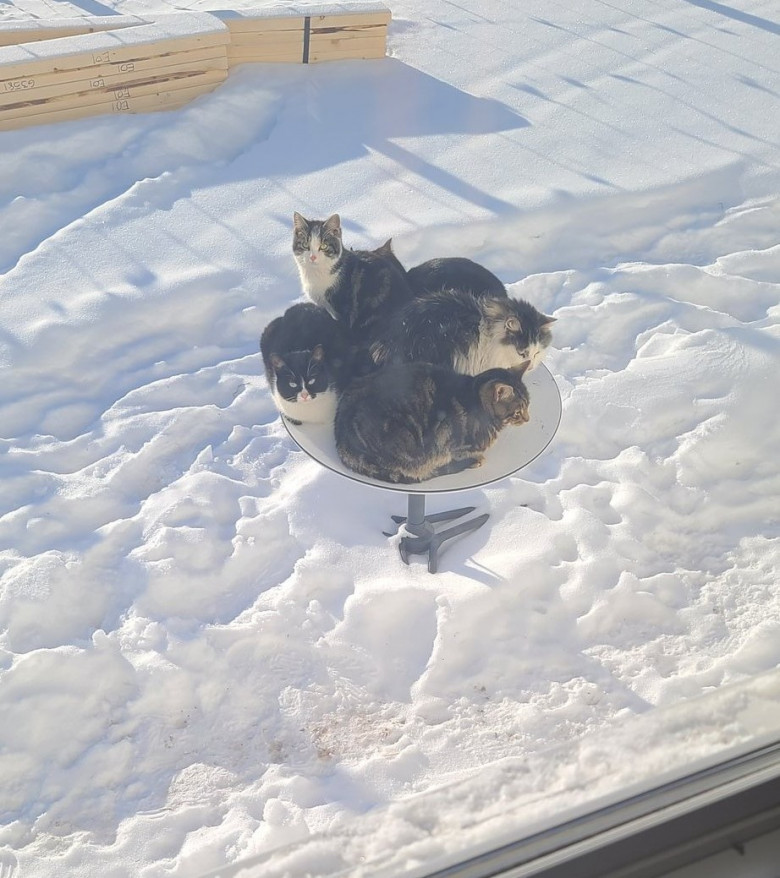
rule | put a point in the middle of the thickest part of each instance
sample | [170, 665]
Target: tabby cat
[469, 333]
[307, 357]
[454, 273]
[412, 421]
[358, 287]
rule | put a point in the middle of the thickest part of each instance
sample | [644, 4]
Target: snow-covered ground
[208, 649]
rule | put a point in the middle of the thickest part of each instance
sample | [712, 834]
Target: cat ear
[277, 362]
[502, 391]
[513, 324]
[386, 248]
[299, 222]
[522, 369]
[546, 321]
[333, 225]
[318, 354]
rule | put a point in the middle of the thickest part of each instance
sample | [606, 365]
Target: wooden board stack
[134, 67]
[323, 33]
[52, 71]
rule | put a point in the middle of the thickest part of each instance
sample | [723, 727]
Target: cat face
[316, 243]
[522, 328]
[530, 342]
[507, 397]
[301, 375]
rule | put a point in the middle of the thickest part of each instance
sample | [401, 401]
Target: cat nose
[305, 395]
[313, 257]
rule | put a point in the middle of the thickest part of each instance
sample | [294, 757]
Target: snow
[208, 649]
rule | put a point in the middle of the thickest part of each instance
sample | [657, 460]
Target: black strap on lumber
[306, 36]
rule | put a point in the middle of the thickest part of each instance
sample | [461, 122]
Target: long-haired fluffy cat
[307, 357]
[358, 287]
[469, 333]
[412, 421]
[454, 273]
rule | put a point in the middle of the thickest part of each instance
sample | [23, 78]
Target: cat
[307, 357]
[454, 273]
[469, 333]
[361, 288]
[386, 251]
[409, 422]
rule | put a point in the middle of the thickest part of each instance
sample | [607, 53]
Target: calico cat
[358, 287]
[469, 333]
[412, 421]
[454, 273]
[307, 357]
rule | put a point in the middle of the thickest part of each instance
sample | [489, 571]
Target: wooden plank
[57, 63]
[344, 37]
[358, 19]
[12, 33]
[265, 42]
[249, 57]
[170, 100]
[263, 25]
[88, 82]
[110, 95]
[329, 45]
[356, 55]
[373, 30]
[179, 33]
[372, 51]
[11, 38]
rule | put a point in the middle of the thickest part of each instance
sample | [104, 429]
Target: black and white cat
[454, 273]
[409, 422]
[307, 357]
[358, 287]
[466, 332]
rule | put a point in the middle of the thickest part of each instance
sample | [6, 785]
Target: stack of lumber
[51, 71]
[133, 68]
[308, 34]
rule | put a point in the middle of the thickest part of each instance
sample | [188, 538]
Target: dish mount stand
[420, 536]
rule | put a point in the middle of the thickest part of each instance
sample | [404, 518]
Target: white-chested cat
[467, 332]
[361, 288]
[308, 361]
[409, 422]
